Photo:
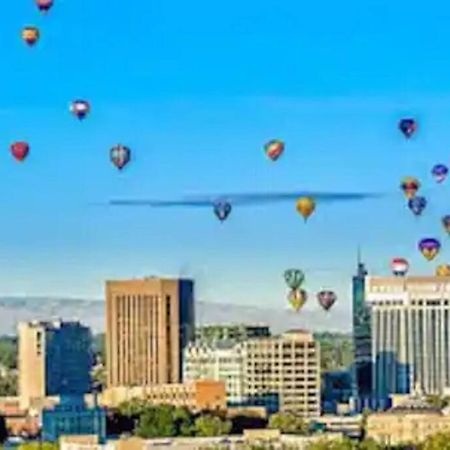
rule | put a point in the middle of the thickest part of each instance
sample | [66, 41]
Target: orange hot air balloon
[306, 206]
[410, 186]
[30, 35]
[443, 270]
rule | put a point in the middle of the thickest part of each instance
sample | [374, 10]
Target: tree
[209, 426]
[39, 446]
[438, 441]
[133, 408]
[437, 401]
[330, 444]
[370, 444]
[8, 385]
[8, 352]
[156, 422]
[288, 423]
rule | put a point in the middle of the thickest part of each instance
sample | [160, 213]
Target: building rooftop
[415, 404]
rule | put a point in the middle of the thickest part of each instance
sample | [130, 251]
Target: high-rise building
[283, 373]
[148, 324]
[224, 361]
[237, 333]
[54, 359]
[362, 368]
[410, 319]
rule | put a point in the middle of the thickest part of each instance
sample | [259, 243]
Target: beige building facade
[284, 369]
[148, 323]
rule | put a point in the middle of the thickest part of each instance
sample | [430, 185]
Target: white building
[219, 361]
[410, 322]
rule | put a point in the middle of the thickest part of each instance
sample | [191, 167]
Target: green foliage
[438, 402]
[329, 444]
[8, 385]
[133, 408]
[156, 422]
[439, 441]
[288, 423]
[209, 426]
[336, 351]
[39, 446]
[8, 352]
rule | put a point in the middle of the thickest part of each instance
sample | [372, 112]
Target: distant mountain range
[92, 313]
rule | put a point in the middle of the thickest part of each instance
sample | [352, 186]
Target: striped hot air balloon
[400, 267]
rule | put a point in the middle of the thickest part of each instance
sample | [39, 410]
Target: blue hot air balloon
[222, 210]
[417, 205]
[439, 172]
[408, 127]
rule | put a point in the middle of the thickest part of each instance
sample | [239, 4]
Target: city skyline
[196, 113]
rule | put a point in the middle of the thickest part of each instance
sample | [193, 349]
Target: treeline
[336, 351]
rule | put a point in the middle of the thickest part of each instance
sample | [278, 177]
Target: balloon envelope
[446, 223]
[439, 172]
[410, 186]
[297, 298]
[44, 5]
[408, 127]
[80, 108]
[326, 299]
[120, 156]
[429, 247]
[294, 278]
[222, 210]
[20, 150]
[30, 35]
[417, 205]
[306, 206]
[443, 270]
[274, 149]
[399, 266]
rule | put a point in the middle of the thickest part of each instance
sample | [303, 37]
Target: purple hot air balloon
[417, 205]
[446, 223]
[408, 127]
[439, 172]
[326, 299]
[222, 210]
[429, 247]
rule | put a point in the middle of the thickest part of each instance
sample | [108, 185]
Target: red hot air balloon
[20, 150]
[400, 267]
[274, 149]
[120, 156]
[326, 299]
[44, 5]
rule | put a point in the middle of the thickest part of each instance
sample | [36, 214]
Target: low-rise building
[196, 395]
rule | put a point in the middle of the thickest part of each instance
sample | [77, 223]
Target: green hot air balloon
[294, 278]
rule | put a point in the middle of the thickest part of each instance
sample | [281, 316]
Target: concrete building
[149, 322]
[238, 333]
[224, 361]
[410, 322]
[283, 373]
[196, 395]
[54, 359]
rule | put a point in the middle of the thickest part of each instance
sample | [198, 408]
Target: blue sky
[195, 89]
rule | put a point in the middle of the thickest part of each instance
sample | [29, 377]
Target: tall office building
[54, 359]
[283, 373]
[362, 368]
[410, 334]
[148, 324]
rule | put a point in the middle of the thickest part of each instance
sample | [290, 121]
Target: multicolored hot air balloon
[222, 210]
[326, 299]
[400, 267]
[44, 5]
[306, 206]
[417, 205]
[297, 298]
[410, 186]
[408, 127]
[446, 223]
[274, 149]
[429, 247]
[20, 150]
[80, 108]
[294, 278]
[30, 35]
[443, 270]
[120, 156]
[439, 172]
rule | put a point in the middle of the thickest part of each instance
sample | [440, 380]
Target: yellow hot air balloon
[30, 35]
[443, 270]
[306, 206]
[297, 298]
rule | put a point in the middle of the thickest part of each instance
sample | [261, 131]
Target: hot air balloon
[443, 270]
[297, 298]
[222, 210]
[408, 127]
[120, 156]
[410, 186]
[30, 35]
[400, 267]
[429, 247]
[274, 149]
[417, 205]
[326, 299]
[80, 108]
[20, 150]
[44, 5]
[439, 172]
[306, 206]
[446, 223]
[294, 278]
